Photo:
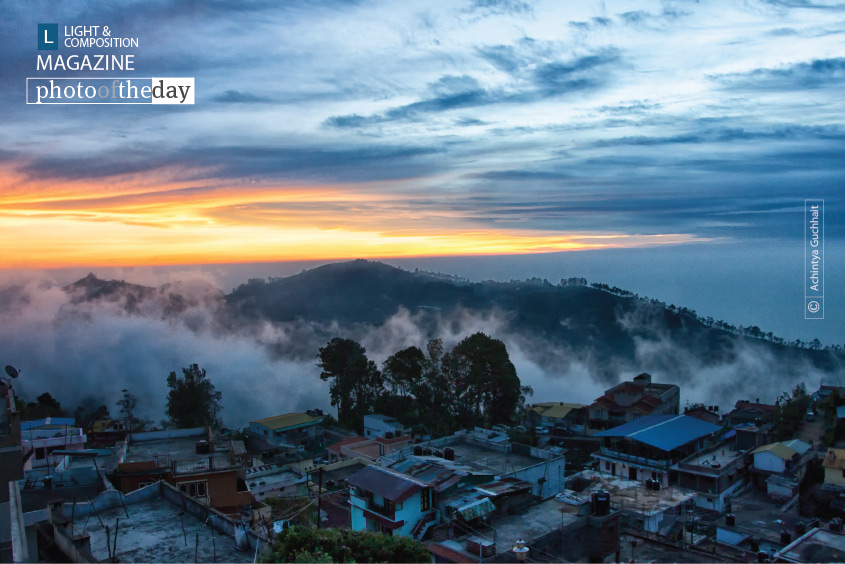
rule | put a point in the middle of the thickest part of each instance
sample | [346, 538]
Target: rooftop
[818, 545]
[555, 409]
[287, 420]
[631, 495]
[384, 483]
[177, 448]
[835, 458]
[48, 423]
[153, 532]
[666, 432]
[718, 457]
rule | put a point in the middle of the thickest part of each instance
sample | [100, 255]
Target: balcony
[621, 456]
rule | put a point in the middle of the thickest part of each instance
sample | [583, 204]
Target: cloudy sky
[387, 129]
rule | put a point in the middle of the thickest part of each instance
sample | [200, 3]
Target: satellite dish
[11, 371]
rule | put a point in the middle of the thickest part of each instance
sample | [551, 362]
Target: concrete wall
[769, 462]
[546, 478]
[834, 477]
[171, 434]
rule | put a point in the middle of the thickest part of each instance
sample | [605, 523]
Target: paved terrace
[153, 532]
[633, 495]
[487, 460]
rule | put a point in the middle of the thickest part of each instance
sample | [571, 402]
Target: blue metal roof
[666, 432]
[27, 425]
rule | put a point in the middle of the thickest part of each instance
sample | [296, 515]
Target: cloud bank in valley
[83, 351]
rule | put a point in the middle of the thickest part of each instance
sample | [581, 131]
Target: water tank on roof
[426, 451]
[730, 519]
[800, 528]
[418, 450]
[655, 485]
[785, 537]
[835, 525]
[601, 503]
[449, 453]
[203, 447]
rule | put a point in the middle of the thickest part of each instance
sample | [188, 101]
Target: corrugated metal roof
[778, 449]
[287, 420]
[395, 487]
[666, 432]
[797, 445]
[55, 421]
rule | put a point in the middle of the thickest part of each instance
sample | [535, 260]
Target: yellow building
[834, 467]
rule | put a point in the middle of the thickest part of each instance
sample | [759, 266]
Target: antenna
[12, 371]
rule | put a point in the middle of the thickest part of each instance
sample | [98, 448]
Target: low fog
[84, 350]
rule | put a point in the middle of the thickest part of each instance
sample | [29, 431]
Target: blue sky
[432, 126]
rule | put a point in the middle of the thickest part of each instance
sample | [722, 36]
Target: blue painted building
[392, 503]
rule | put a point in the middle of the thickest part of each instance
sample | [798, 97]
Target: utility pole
[319, 497]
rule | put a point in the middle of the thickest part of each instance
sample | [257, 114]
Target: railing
[201, 465]
[635, 459]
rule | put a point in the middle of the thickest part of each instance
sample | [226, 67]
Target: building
[651, 447]
[834, 468]
[542, 468]
[271, 480]
[747, 412]
[705, 413]
[715, 474]
[154, 524]
[192, 460]
[631, 400]
[11, 470]
[553, 532]
[41, 437]
[558, 414]
[390, 502]
[376, 425]
[368, 449]
[290, 432]
[780, 467]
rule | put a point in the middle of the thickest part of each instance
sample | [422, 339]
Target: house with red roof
[631, 400]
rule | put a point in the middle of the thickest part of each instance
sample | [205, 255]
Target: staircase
[423, 525]
[675, 530]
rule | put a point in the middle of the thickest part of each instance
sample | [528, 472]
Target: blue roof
[840, 412]
[27, 425]
[666, 432]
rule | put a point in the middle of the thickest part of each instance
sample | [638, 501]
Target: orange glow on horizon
[154, 220]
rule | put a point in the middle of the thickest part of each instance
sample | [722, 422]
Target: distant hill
[606, 329]
[578, 317]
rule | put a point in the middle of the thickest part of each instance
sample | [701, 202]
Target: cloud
[818, 73]
[236, 97]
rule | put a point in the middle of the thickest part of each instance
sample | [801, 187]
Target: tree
[298, 544]
[192, 400]
[403, 371]
[127, 408]
[44, 406]
[355, 382]
[493, 388]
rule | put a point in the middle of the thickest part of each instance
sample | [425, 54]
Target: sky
[411, 130]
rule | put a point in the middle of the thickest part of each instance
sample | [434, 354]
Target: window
[194, 489]
[389, 506]
[425, 500]
[144, 484]
[607, 465]
[265, 432]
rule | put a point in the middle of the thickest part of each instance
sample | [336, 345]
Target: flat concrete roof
[181, 448]
[153, 533]
[820, 546]
[532, 522]
[633, 495]
[491, 461]
[722, 456]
